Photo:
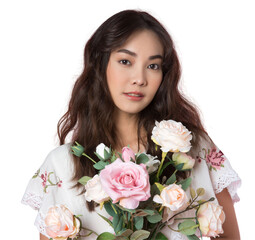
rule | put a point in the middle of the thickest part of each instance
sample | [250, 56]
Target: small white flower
[153, 164]
[100, 149]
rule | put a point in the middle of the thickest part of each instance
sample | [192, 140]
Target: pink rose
[215, 159]
[61, 223]
[210, 217]
[126, 182]
[127, 154]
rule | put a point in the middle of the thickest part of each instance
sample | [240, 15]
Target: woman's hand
[230, 226]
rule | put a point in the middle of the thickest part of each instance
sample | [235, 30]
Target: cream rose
[180, 158]
[211, 217]
[172, 136]
[94, 190]
[173, 197]
[61, 224]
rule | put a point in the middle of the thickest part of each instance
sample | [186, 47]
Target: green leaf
[140, 235]
[188, 227]
[142, 158]
[154, 190]
[109, 209]
[113, 158]
[159, 186]
[125, 209]
[139, 222]
[106, 236]
[154, 218]
[161, 236]
[185, 183]
[101, 158]
[200, 191]
[179, 166]
[100, 165]
[117, 223]
[125, 233]
[171, 180]
[192, 193]
[192, 237]
[148, 211]
[107, 154]
[84, 180]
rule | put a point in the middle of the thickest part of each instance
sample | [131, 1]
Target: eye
[154, 66]
[125, 62]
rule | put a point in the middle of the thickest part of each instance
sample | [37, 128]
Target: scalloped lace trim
[39, 223]
[229, 180]
[32, 199]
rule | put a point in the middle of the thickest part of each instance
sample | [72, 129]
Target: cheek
[115, 77]
[155, 84]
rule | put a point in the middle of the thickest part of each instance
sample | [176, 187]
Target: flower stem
[161, 164]
[185, 218]
[188, 209]
[91, 231]
[84, 154]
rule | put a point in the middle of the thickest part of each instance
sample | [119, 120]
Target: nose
[139, 77]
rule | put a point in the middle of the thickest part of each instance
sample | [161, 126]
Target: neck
[127, 131]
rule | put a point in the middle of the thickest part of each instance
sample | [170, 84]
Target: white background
[41, 55]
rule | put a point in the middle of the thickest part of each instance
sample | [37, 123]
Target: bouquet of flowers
[140, 204]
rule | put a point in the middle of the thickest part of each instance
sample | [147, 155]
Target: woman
[130, 79]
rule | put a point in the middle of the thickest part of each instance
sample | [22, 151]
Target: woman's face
[134, 72]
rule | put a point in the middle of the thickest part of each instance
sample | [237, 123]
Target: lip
[134, 96]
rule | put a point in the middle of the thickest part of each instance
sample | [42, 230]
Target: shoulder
[60, 151]
[59, 160]
[59, 155]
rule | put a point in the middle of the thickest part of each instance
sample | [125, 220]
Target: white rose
[172, 136]
[100, 149]
[173, 197]
[94, 190]
[152, 164]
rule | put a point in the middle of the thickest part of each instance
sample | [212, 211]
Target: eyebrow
[133, 54]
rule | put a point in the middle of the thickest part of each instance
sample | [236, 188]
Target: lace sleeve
[221, 172]
[47, 185]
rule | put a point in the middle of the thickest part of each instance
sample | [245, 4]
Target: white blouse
[52, 185]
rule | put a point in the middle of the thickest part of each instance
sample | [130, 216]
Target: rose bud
[100, 150]
[128, 154]
[180, 158]
[77, 150]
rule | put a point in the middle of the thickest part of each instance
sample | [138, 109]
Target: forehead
[145, 41]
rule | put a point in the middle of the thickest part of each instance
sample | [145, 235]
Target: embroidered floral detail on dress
[47, 181]
[215, 158]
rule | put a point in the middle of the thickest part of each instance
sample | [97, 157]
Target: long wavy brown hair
[90, 110]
